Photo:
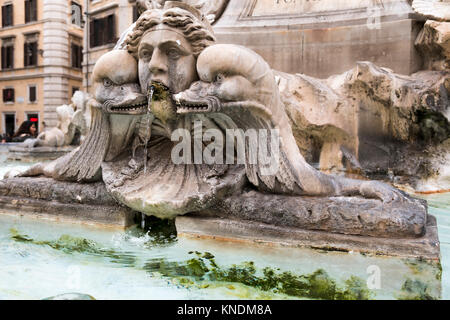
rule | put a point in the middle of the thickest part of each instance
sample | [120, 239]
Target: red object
[34, 119]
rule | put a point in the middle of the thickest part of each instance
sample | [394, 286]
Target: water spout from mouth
[150, 91]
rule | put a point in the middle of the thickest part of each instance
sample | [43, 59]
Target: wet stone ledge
[345, 215]
[89, 203]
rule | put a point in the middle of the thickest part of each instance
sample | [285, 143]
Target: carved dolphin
[237, 82]
[117, 94]
[115, 84]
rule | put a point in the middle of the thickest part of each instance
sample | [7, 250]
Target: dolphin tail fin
[84, 163]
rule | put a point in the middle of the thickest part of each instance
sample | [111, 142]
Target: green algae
[416, 290]
[434, 126]
[244, 280]
[422, 266]
[160, 93]
[203, 271]
[70, 245]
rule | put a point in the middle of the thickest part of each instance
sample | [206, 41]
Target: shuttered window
[30, 54]
[7, 15]
[77, 56]
[32, 94]
[102, 31]
[7, 57]
[8, 95]
[30, 10]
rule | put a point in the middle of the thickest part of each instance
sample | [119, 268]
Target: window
[102, 31]
[76, 14]
[77, 56]
[75, 89]
[30, 50]
[30, 10]
[32, 94]
[7, 15]
[8, 95]
[7, 53]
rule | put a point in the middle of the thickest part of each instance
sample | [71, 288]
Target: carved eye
[220, 77]
[145, 54]
[107, 82]
[173, 54]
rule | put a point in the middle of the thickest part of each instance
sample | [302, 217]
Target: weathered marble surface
[406, 218]
[241, 231]
[303, 7]
[372, 121]
[325, 37]
[432, 9]
[25, 154]
[174, 76]
[434, 44]
[88, 203]
[211, 9]
[345, 215]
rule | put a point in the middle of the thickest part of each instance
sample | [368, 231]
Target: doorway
[10, 123]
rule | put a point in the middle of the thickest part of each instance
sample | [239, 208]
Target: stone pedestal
[47, 198]
[25, 154]
[247, 232]
[336, 224]
[324, 37]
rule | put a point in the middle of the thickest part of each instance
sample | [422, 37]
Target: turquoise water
[40, 259]
[439, 206]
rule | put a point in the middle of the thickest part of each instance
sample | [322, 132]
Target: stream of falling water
[148, 129]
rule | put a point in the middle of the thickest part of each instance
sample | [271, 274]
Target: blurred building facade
[106, 21]
[49, 49]
[41, 59]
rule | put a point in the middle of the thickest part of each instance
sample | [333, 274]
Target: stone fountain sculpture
[163, 112]
[72, 127]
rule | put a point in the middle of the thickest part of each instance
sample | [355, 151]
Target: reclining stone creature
[192, 84]
[237, 82]
[53, 137]
[237, 90]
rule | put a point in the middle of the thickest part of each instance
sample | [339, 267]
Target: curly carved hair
[196, 32]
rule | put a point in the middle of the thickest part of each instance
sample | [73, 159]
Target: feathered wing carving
[433, 9]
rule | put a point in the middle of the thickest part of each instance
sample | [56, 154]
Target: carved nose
[158, 63]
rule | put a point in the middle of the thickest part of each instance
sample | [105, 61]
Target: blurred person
[4, 138]
[26, 131]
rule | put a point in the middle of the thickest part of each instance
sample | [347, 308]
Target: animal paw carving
[382, 191]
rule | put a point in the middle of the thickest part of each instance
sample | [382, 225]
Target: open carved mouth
[137, 108]
[205, 105]
[192, 107]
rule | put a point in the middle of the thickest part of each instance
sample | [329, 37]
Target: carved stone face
[166, 57]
